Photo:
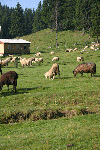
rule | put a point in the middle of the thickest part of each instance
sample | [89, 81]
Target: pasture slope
[54, 114]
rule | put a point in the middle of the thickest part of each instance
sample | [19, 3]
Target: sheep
[67, 50]
[86, 68]
[26, 62]
[38, 60]
[11, 56]
[50, 75]
[52, 52]
[38, 54]
[70, 50]
[55, 58]
[9, 78]
[80, 59]
[0, 69]
[30, 60]
[97, 44]
[75, 49]
[4, 62]
[92, 47]
[85, 47]
[23, 62]
[13, 59]
[53, 71]
[9, 59]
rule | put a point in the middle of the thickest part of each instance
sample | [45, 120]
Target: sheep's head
[75, 73]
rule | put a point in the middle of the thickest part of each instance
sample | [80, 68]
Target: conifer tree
[45, 16]
[95, 18]
[17, 21]
[29, 17]
[37, 24]
[6, 22]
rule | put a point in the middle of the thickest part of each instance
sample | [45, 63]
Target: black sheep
[9, 78]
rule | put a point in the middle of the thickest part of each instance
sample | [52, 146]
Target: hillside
[46, 38]
[39, 100]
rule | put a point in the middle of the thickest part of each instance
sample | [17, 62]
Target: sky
[24, 3]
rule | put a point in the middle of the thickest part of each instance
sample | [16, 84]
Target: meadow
[50, 114]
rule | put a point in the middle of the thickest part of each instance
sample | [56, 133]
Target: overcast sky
[24, 3]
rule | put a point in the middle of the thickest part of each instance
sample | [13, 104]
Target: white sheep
[85, 47]
[37, 60]
[70, 50]
[53, 71]
[49, 74]
[75, 49]
[8, 59]
[97, 44]
[52, 52]
[40, 60]
[80, 59]
[55, 58]
[30, 60]
[4, 62]
[38, 54]
[13, 59]
[92, 47]
[23, 62]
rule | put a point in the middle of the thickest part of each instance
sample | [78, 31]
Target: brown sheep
[0, 69]
[86, 68]
[9, 78]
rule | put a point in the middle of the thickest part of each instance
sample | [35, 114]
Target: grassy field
[25, 115]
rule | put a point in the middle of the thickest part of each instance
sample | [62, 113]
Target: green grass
[81, 132]
[40, 99]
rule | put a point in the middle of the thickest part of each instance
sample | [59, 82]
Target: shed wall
[17, 48]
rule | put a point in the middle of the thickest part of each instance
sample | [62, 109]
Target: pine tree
[6, 22]
[17, 21]
[67, 13]
[45, 14]
[29, 17]
[95, 18]
[37, 24]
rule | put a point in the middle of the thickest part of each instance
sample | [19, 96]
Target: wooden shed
[14, 46]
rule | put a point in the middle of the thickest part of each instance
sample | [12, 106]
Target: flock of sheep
[10, 78]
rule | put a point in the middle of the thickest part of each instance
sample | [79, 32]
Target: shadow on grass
[21, 91]
[64, 78]
[97, 76]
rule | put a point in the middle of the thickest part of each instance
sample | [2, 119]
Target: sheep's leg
[81, 73]
[8, 87]
[1, 72]
[14, 88]
[53, 77]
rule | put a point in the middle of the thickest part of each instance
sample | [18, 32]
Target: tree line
[71, 15]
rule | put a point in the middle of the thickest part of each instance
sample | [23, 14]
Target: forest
[67, 14]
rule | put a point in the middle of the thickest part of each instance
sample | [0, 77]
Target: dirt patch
[35, 115]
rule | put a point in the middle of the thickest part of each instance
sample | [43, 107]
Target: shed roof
[14, 41]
